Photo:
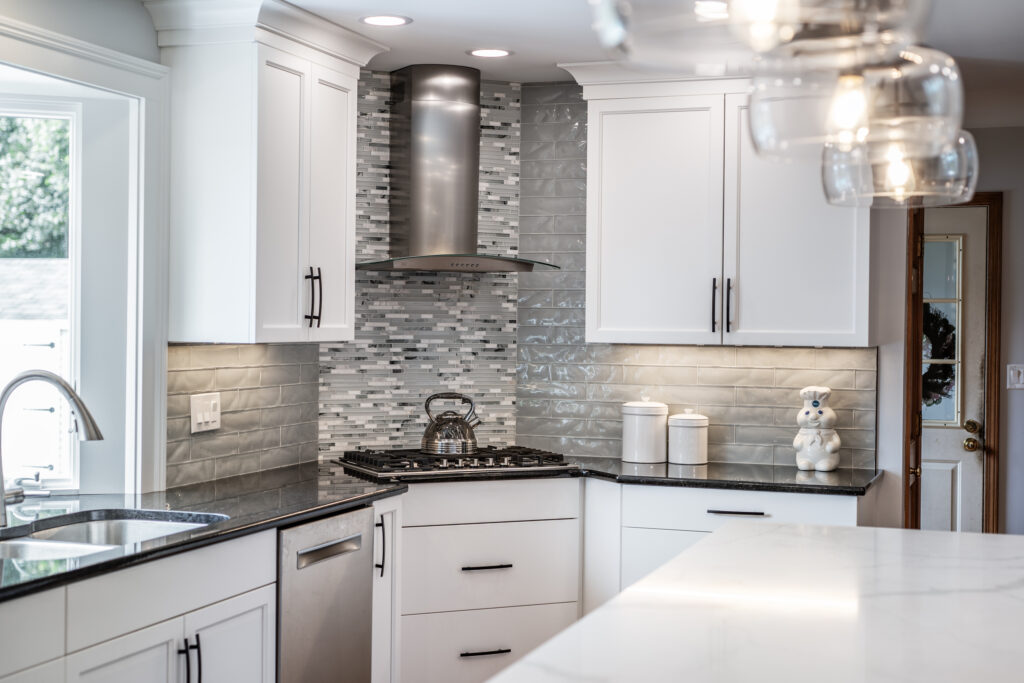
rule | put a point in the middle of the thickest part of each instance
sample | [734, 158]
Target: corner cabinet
[693, 239]
[263, 166]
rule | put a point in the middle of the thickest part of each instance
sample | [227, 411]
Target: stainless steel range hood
[435, 174]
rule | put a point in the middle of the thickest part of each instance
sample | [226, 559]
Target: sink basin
[122, 527]
[33, 549]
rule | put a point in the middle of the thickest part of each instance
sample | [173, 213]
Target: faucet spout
[85, 424]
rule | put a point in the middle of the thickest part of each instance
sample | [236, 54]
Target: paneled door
[953, 368]
[795, 268]
[150, 655]
[654, 220]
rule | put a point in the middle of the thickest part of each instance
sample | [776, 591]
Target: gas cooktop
[411, 463]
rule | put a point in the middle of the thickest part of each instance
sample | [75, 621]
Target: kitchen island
[769, 602]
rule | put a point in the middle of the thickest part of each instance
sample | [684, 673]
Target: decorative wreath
[939, 342]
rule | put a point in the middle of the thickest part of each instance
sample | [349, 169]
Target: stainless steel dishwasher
[325, 600]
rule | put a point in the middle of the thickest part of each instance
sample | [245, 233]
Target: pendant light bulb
[899, 176]
[848, 113]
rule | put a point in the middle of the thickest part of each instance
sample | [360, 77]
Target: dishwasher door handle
[325, 551]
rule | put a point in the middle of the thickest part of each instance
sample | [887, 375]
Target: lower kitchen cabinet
[644, 550]
[231, 641]
[466, 647]
[386, 590]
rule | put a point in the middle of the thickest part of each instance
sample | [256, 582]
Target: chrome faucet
[85, 425]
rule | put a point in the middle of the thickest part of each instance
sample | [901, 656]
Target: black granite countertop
[718, 475]
[253, 502]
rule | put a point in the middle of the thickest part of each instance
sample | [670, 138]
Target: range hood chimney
[435, 174]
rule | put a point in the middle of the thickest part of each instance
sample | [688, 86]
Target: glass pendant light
[916, 100]
[900, 176]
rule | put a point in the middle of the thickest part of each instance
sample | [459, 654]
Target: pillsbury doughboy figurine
[817, 443]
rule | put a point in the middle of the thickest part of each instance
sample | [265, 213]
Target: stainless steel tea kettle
[450, 433]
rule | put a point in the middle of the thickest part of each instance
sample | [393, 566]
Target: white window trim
[30, 47]
[36, 107]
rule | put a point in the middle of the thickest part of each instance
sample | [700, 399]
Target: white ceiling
[542, 33]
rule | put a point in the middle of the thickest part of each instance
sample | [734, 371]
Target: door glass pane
[35, 292]
[939, 392]
[940, 269]
[939, 329]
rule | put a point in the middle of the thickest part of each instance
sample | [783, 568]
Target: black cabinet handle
[320, 299]
[714, 296]
[486, 566]
[313, 279]
[383, 546]
[198, 647]
[188, 661]
[745, 513]
[502, 651]
[728, 305]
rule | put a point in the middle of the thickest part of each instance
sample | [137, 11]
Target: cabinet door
[644, 550]
[282, 295]
[51, 672]
[386, 585]
[237, 637]
[150, 655]
[798, 267]
[332, 191]
[654, 220]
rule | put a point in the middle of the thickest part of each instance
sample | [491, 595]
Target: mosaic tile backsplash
[268, 396]
[421, 333]
[569, 393]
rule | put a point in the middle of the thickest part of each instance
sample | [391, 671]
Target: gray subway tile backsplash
[570, 393]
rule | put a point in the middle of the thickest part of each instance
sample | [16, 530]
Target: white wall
[1001, 151]
[122, 25]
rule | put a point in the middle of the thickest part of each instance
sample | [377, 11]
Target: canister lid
[644, 407]
[687, 419]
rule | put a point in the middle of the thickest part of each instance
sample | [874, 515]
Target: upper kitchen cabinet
[693, 239]
[263, 166]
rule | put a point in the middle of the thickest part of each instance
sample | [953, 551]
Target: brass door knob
[971, 444]
[972, 426]
[916, 471]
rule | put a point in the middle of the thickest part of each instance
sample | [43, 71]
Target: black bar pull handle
[745, 513]
[188, 661]
[728, 305]
[714, 297]
[313, 278]
[320, 299]
[198, 647]
[383, 546]
[484, 567]
[501, 651]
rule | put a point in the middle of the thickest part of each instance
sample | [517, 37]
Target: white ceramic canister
[688, 439]
[644, 431]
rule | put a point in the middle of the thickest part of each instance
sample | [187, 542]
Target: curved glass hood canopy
[435, 174]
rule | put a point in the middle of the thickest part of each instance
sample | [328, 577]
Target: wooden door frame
[993, 201]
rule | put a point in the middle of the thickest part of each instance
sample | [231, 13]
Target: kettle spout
[473, 420]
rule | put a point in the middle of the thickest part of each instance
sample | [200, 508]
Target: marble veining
[831, 604]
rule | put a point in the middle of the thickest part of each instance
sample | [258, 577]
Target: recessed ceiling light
[489, 52]
[386, 20]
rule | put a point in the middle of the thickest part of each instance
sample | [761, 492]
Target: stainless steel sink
[122, 527]
[33, 549]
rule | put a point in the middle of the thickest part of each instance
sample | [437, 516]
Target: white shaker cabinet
[693, 239]
[262, 191]
[386, 590]
[150, 654]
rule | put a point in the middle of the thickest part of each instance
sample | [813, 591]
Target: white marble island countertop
[762, 602]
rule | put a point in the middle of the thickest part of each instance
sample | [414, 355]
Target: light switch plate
[1015, 376]
[205, 412]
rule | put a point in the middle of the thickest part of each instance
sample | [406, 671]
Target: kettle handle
[470, 416]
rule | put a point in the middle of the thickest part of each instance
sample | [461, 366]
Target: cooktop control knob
[489, 462]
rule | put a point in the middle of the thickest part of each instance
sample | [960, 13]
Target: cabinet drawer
[692, 509]
[433, 645]
[476, 566]
[477, 502]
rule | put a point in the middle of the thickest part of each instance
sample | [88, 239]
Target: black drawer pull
[745, 513]
[502, 651]
[487, 566]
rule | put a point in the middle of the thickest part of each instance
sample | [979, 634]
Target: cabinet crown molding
[197, 22]
[612, 72]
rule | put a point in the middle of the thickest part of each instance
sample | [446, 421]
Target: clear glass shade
[716, 37]
[916, 100]
[891, 175]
